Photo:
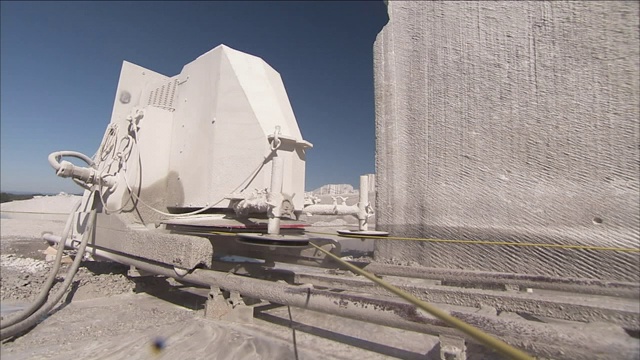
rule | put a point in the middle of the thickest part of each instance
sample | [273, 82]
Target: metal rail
[493, 280]
[568, 306]
[622, 312]
[485, 242]
[555, 341]
[473, 332]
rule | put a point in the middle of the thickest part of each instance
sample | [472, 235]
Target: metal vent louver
[163, 96]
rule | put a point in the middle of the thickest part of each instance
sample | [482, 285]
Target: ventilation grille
[163, 96]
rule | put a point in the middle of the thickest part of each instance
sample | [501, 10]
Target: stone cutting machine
[205, 164]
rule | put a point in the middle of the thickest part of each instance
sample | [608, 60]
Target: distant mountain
[334, 189]
[23, 195]
[26, 193]
[7, 197]
[342, 189]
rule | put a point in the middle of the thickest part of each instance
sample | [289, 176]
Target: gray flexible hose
[54, 158]
[39, 315]
[44, 292]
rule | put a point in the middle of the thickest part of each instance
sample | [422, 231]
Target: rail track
[547, 317]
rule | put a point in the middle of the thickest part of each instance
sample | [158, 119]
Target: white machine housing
[206, 133]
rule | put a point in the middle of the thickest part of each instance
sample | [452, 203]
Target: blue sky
[60, 63]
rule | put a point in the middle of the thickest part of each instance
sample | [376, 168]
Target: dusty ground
[107, 315]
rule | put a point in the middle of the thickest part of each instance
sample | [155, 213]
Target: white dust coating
[203, 134]
[58, 204]
[30, 218]
[514, 121]
[28, 265]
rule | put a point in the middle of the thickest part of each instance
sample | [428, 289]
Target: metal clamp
[276, 142]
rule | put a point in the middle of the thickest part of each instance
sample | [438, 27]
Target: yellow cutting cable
[484, 242]
[450, 241]
[477, 334]
[471, 242]
[473, 332]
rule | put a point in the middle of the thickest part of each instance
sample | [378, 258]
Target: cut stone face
[510, 121]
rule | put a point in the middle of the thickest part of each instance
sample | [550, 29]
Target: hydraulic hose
[83, 176]
[54, 158]
[44, 293]
[39, 315]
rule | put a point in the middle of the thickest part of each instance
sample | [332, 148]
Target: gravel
[22, 279]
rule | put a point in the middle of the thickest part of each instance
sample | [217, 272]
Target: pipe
[452, 276]
[325, 209]
[360, 210]
[275, 212]
[477, 334]
[362, 203]
[282, 293]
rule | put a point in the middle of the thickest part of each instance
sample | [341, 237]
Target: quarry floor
[107, 315]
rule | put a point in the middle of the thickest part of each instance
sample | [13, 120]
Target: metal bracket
[134, 272]
[227, 305]
[452, 348]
